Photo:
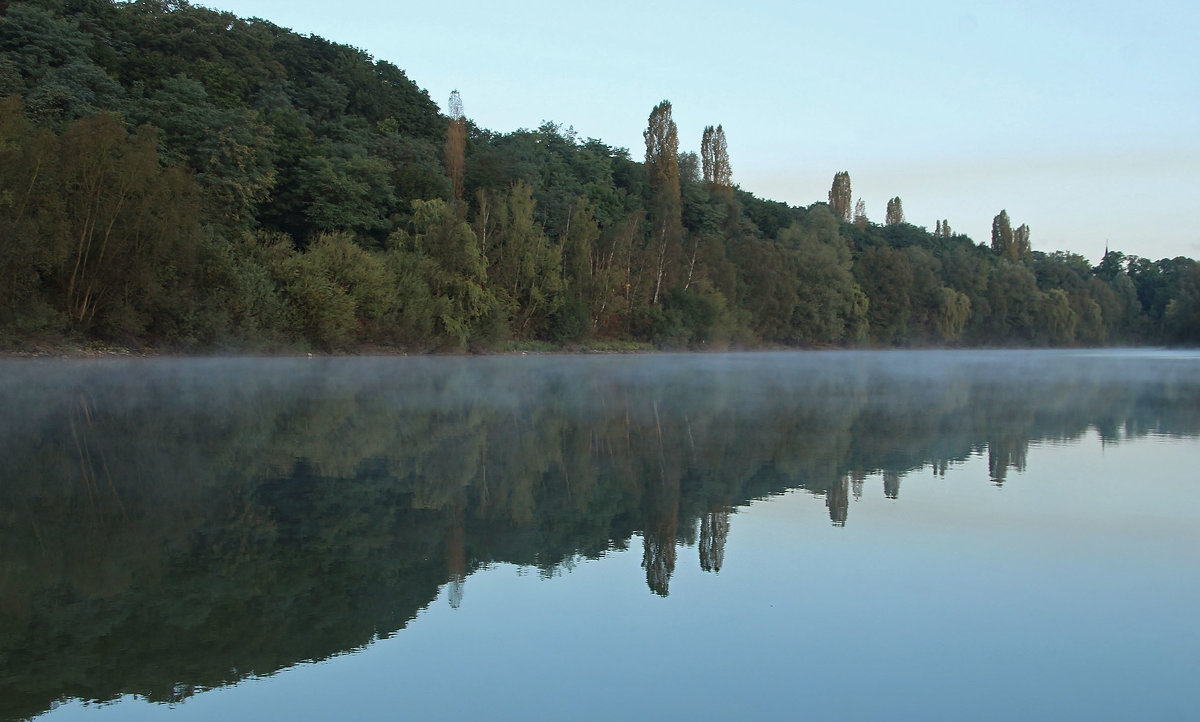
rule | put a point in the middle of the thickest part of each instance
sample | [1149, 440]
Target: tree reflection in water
[176, 525]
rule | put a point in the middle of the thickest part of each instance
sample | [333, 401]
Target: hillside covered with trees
[179, 178]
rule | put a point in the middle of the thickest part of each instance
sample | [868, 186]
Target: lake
[859, 535]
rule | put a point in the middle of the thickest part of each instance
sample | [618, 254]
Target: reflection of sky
[1078, 489]
[1067, 593]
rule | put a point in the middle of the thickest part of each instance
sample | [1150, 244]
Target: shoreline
[109, 352]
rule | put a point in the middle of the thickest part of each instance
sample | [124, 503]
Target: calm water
[855, 535]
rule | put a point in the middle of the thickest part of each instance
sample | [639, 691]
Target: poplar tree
[839, 196]
[714, 158]
[860, 213]
[456, 145]
[1021, 247]
[895, 212]
[1002, 236]
[707, 160]
[662, 170]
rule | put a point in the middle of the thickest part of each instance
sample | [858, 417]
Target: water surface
[900, 534]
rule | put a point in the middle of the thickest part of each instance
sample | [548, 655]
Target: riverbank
[81, 350]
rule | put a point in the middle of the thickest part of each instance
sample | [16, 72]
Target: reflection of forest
[170, 526]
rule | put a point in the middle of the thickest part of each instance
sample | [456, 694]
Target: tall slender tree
[662, 169]
[456, 145]
[860, 213]
[1002, 236]
[707, 161]
[839, 196]
[1021, 247]
[714, 157]
[895, 212]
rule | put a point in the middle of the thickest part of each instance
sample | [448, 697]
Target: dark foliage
[293, 192]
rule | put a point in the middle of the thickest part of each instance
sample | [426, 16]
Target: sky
[1079, 119]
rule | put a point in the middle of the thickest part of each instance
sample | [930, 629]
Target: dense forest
[178, 178]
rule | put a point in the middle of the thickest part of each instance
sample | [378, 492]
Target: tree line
[178, 177]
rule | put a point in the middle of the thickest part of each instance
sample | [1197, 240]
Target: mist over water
[171, 526]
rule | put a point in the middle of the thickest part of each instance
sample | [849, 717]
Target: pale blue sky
[1078, 118]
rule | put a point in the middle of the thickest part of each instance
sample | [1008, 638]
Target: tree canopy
[177, 177]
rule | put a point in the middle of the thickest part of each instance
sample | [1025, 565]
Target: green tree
[30, 251]
[1013, 299]
[576, 315]
[1158, 283]
[1181, 319]
[1056, 320]
[229, 149]
[951, 315]
[348, 190]
[1002, 237]
[524, 267]
[1110, 266]
[925, 294]
[895, 212]
[830, 307]
[714, 154]
[1021, 247]
[94, 226]
[343, 294]
[839, 196]
[768, 289]
[37, 40]
[860, 213]
[613, 276]
[443, 278]
[886, 277]
[662, 169]
[127, 221]
[73, 91]
[1119, 306]
[1089, 329]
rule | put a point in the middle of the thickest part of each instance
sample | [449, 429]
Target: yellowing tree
[1021, 247]
[456, 146]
